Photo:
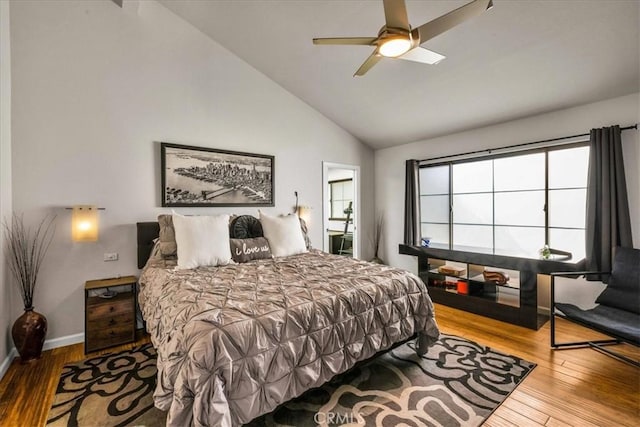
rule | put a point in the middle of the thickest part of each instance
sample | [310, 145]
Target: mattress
[236, 341]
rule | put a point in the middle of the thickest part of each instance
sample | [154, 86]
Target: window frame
[494, 156]
[337, 181]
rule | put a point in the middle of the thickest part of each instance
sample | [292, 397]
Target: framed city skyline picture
[208, 177]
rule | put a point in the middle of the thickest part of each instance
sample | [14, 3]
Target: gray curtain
[412, 204]
[608, 220]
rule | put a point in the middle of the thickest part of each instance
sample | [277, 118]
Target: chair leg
[594, 344]
[552, 317]
[618, 356]
[598, 345]
[552, 326]
[582, 344]
[574, 344]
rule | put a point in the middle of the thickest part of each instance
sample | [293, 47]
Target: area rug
[457, 383]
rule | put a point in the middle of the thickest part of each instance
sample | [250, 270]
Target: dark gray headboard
[147, 232]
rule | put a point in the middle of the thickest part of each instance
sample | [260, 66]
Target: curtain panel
[412, 204]
[607, 220]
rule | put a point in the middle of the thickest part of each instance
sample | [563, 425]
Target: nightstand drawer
[95, 325]
[110, 336]
[100, 307]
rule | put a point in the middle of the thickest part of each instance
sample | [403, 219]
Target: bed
[236, 341]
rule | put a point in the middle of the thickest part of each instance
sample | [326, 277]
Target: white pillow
[202, 240]
[284, 234]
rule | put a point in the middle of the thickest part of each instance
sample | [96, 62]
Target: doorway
[341, 208]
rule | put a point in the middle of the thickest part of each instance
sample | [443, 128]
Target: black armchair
[618, 312]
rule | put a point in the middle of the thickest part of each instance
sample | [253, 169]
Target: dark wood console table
[455, 278]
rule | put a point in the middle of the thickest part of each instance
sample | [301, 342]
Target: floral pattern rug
[457, 383]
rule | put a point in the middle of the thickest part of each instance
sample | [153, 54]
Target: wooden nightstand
[109, 321]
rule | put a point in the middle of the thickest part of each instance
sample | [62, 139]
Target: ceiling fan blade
[425, 56]
[370, 62]
[364, 41]
[395, 14]
[446, 22]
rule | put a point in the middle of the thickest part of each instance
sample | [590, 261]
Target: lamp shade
[84, 223]
[304, 212]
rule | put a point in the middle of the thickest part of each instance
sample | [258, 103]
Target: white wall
[390, 162]
[6, 289]
[95, 87]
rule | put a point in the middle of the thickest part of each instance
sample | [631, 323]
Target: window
[510, 204]
[340, 195]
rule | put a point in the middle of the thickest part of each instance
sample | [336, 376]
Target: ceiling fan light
[394, 47]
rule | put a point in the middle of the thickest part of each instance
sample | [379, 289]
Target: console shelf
[514, 300]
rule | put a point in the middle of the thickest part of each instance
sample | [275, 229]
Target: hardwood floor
[568, 388]
[26, 391]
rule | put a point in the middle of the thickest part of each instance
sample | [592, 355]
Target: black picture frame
[207, 177]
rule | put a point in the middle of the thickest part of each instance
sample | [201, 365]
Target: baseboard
[63, 341]
[48, 345]
[4, 367]
[544, 310]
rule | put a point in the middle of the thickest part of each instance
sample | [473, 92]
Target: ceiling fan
[397, 39]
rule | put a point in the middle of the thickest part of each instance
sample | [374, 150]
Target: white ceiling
[518, 59]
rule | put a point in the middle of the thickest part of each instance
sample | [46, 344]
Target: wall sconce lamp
[84, 223]
[304, 213]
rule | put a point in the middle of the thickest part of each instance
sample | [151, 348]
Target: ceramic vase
[28, 334]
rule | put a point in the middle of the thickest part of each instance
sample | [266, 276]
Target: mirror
[340, 209]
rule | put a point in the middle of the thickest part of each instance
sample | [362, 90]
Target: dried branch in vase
[377, 237]
[26, 249]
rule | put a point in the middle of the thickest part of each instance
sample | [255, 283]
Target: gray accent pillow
[155, 251]
[246, 227]
[168, 247]
[244, 250]
[305, 233]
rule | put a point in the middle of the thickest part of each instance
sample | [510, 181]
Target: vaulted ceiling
[518, 59]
